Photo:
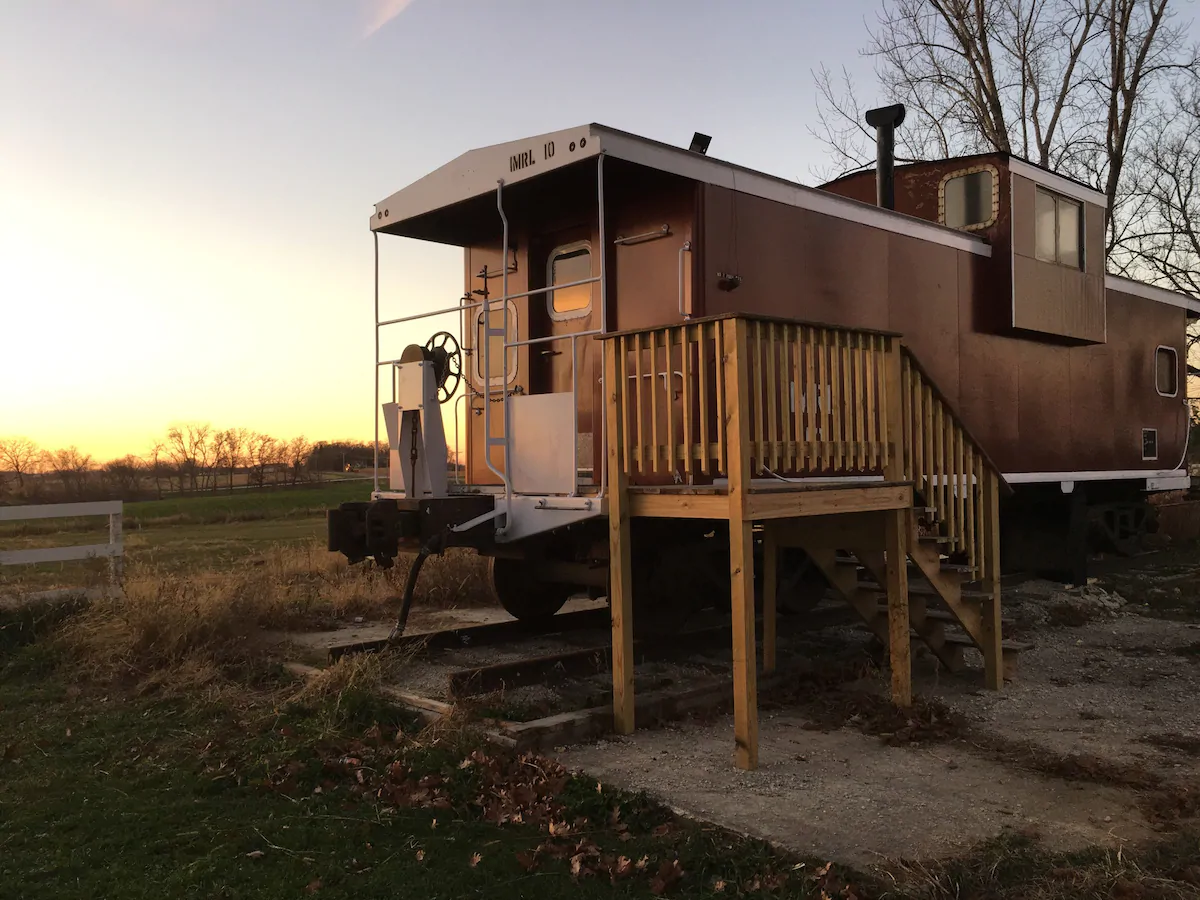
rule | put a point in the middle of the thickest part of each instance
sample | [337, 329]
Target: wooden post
[741, 545]
[899, 642]
[116, 563]
[620, 578]
[993, 649]
[770, 588]
[893, 412]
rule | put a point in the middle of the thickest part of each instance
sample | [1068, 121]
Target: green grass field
[186, 533]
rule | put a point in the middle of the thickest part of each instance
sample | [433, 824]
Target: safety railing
[812, 401]
[113, 549]
[949, 471]
[813, 395]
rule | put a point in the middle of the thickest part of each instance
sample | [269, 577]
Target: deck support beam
[741, 546]
[899, 641]
[770, 577]
[620, 586]
[993, 650]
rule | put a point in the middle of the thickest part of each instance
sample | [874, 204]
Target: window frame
[960, 173]
[510, 376]
[562, 250]
[1146, 431]
[1175, 355]
[1058, 200]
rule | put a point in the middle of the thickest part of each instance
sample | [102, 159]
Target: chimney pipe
[885, 120]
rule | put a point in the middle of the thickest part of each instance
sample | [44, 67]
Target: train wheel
[521, 594]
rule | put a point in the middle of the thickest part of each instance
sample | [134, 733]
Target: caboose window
[567, 265]
[1166, 371]
[969, 199]
[1058, 229]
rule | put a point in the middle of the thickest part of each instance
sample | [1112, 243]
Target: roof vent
[700, 143]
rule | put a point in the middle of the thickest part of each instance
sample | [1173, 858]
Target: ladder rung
[496, 442]
[496, 332]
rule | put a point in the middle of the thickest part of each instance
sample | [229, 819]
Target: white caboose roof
[476, 173]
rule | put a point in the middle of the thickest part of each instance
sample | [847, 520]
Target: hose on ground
[434, 545]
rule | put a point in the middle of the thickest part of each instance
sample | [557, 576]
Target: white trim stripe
[1150, 292]
[1056, 182]
[1121, 475]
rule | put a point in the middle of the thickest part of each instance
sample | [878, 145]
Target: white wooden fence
[114, 549]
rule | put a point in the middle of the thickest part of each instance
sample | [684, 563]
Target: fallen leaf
[824, 870]
[641, 863]
[68, 732]
[668, 874]
[599, 788]
[256, 854]
[466, 763]
[420, 856]
[313, 886]
[719, 886]
[623, 868]
[433, 824]
[559, 828]
[528, 861]
[661, 830]
[475, 859]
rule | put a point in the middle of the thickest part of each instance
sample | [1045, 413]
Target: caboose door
[566, 261]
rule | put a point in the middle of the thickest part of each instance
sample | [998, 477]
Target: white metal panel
[58, 554]
[1121, 475]
[537, 515]
[543, 449]
[477, 171]
[60, 510]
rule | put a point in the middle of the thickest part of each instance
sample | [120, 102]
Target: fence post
[116, 562]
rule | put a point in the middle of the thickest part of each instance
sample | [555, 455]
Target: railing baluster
[811, 389]
[621, 347]
[654, 448]
[669, 398]
[702, 353]
[874, 408]
[688, 397]
[722, 415]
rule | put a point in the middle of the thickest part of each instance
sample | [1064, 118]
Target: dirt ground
[1096, 742]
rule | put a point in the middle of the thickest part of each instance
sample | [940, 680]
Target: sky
[185, 185]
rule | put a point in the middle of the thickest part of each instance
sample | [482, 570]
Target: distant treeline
[189, 459]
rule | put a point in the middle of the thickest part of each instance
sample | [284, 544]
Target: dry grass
[193, 629]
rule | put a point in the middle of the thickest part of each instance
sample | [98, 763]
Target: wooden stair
[947, 608]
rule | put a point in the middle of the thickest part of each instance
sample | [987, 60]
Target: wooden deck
[826, 437]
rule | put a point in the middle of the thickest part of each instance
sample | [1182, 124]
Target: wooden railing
[818, 400]
[949, 471]
[814, 397]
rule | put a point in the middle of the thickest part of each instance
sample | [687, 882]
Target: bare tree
[297, 451]
[124, 476]
[22, 457]
[262, 452]
[72, 468]
[188, 447]
[237, 443]
[1074, 85]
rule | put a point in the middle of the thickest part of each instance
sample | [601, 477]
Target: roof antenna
[700, 143]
